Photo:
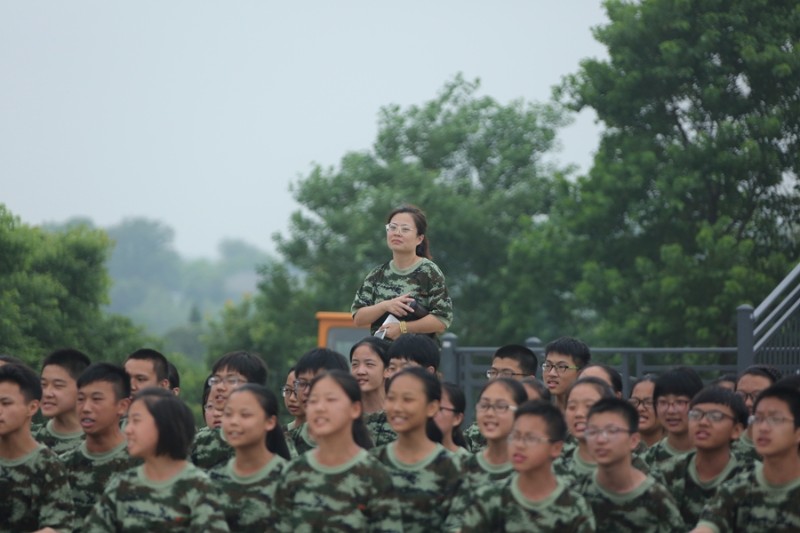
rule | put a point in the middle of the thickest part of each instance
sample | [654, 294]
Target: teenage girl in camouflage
[409, 280]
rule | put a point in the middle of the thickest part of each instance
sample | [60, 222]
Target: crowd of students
[376, 444]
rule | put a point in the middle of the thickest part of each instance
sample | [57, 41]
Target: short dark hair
[174, 421]
[792, 380]
[680, 381]
[765, 371]
[248, 364]
[318, 359]
[173, 376]
[730, 378]
[30, 384]
[552, 416]
[521, 354]
[72, 360]
[517, 390]
[541, 388]
[11, 359]
[160, 363]
[275, 441]
[349, 385]
[613, 376]
[788, 395]
[416, 347]
[379, 346]
[603, 388]
[726, 397]
[572, 347]
[619, 407]
[459, 401]
[114, 374]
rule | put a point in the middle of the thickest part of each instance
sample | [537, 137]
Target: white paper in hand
[391, 319]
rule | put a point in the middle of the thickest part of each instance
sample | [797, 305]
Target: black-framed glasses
[647, 403]
[449, 409]
[608, 432]
[287, 391]
[748, 395]
[301, 385]
[493, 373]
[714, 415]
[770, 420]
[560, 368]
[499, 407]
[680, 404]
[229, 380]
[527, 439]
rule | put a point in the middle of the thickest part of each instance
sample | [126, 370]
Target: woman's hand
[392, 330]
[400, 306]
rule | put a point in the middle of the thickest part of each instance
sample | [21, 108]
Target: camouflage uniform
[660, 452]
[301, 441]
[210, 448]
[426, 488]
[476, 473]
[745, 450]
[34, 493]
[503, 507]
[574, 468]
[423, 281]
[475, 440]
[247, 500]
[134, 504]
[681, 479]
[355, 496]
[58, 442]
[749, 503]
[648, 508]
[379, 428]
[89, 473]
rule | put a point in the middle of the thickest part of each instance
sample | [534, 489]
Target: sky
[201, 114]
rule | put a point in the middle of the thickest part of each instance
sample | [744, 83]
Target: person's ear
[555, 449]
[355, 410]
[432, 408]
[33, 406]
[737, 431]
[635, 439]
[122, 406]
[270, 423]
[458, 418]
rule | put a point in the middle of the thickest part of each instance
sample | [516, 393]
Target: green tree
[692, 204]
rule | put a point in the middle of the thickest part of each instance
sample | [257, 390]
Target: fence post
[534, 344]
[744, 337]
[450, 364]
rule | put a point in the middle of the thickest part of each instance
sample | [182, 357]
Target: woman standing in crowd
[407, 284]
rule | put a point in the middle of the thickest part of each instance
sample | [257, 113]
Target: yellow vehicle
[336, 331]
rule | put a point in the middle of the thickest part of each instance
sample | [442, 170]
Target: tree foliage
[692, 203]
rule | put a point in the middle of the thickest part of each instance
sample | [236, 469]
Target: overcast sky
[200, 114]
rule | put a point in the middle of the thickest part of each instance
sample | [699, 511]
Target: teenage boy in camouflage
[33, 483]
[622, 497]
[533, 499]
[60, 371]
[767, 497]
[103, 399]
[510, 361]
[751, 382]
[716, 417]
[147, 368]
[229, 372]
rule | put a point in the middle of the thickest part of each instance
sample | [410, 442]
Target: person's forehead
[751, 381]
[140, 365]
[9, 388]
[713, 407]
[56, 372]
[530, 423]
[559, 357]
[505, 362]
[226, 371]
[607, 418]
[772, 405]
[97, 386]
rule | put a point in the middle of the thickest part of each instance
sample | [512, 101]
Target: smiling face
[557, 381]
[367, 367]
[59, 391]
[405, 238]
[536, 454]
[643, 393]
[495, 423]
[15, 411]
[244, 422]
[141, 431]
[225, 380]
[329, 410]
[99, 410]
[708, 435]
[580, 400]
[407, 405]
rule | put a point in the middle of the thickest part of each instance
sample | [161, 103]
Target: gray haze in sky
[200, 114]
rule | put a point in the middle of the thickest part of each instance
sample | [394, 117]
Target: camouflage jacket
[210, 448]
[474, 438]
[476, 473]
[301, 441]
[660, 452]
[379, 428]
[745, 450]
[58, 442]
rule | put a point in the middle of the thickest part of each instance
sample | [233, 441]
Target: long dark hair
[421, 222]
[275, 441]
[350, 387]
[433, 392]
[459, 401]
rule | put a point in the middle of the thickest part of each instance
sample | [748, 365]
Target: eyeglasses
[301, 385]
[679, 404]
[208, 407]
[395, 228]
[712, 416]
[450, 409]
[748, 395]
[229, 380]
[499, 407]
[771, 420]
[492, 373]
[560, 368]
[647, 403]
[527, 439]
[287, 391]
[608, 432]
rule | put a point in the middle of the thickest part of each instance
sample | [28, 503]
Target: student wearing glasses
[716, 417]
[767, 497]
[622, 497]
[672, 394]
[231, 371]
[641, 398]
[533, 498]
[409, 280]
[751, 382]
[563, 360]
[512, 361]
[292, 404]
